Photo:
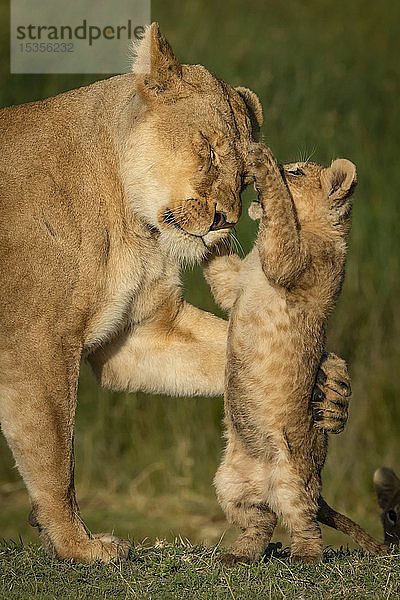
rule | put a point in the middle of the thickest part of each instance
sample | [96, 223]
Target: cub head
[320, 195]
[387, 487]
[184, 164]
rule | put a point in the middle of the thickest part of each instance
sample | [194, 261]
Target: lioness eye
[392, 516]
[212, 155]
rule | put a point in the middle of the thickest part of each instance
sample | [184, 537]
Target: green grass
[328, 75]
[180, 570]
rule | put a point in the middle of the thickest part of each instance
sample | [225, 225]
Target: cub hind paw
[261, 161]
[230, 560]
[311, 559]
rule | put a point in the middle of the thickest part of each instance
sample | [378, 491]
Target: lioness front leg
[180, 352]
[37, 415]
[331, 394]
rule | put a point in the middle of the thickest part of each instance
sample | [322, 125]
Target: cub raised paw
[264, 170]
[261, 162]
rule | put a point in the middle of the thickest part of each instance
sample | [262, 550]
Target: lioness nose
[220, 222]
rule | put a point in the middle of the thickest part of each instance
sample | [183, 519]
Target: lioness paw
[111, 548]
[102, 547]
[331, 394]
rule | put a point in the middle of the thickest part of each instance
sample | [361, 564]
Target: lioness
[279, 300]
[104, 190]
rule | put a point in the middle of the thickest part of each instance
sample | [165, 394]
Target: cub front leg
[222, 275]
[281, 246]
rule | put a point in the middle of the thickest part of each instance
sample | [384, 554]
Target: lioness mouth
[169, 219]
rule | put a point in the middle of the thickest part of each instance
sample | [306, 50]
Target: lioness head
[184, 165]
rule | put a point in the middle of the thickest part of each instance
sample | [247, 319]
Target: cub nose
[220, 221]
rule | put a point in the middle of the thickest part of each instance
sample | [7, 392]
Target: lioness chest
[135, 283]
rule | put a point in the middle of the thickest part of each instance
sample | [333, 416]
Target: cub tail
[327, 516]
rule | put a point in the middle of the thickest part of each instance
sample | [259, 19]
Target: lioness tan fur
[280, 299]
[104, 190]
[387, 487]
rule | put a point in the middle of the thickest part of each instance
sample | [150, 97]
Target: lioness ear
[386, 485]
[339, 180]
[158, 71]
[254, 107]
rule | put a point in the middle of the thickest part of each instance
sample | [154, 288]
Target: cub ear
[158, 71]
[255, 109]
[386, 485]
[339, 180]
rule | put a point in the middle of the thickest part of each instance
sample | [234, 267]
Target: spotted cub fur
[280, 298]
[387, 487]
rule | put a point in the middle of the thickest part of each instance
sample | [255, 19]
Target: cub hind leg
[298, 510]
[241, 484]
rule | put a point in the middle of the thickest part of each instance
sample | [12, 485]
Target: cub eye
[213, 156]
[392, 516]
[295, 170]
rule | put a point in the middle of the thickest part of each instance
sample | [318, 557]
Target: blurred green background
[327, 73]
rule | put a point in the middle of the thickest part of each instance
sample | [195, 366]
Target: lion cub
[280, 296]
[387, 487]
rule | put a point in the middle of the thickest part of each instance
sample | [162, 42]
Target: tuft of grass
[181, 570]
